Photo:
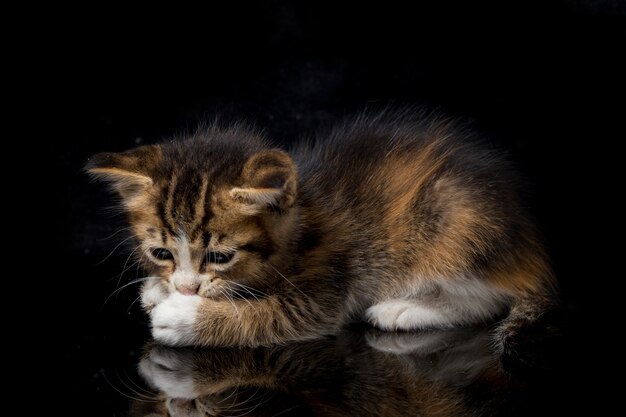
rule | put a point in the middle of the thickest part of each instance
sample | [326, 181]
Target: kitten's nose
[188, 289]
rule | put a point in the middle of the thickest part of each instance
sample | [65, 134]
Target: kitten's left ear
[269, 179]
[129, 173]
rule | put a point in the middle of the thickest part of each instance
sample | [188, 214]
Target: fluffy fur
[398, 218]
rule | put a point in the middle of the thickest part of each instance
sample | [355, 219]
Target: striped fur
[401, 219]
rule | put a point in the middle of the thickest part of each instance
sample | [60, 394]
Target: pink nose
[190, 289]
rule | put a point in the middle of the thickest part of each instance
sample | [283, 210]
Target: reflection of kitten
[400, 220]
[329, 377]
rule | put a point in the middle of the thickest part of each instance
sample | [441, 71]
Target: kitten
[439, 373]
[400, 219]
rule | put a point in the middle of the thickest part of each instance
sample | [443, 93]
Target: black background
[543, 80]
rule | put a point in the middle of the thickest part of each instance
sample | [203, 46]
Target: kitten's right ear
[269, 179]
[129, 173]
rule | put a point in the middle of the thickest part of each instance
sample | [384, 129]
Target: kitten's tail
[523, 323]
[532, 285]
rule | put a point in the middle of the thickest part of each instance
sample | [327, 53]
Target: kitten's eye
[162, 254]
[219, 258]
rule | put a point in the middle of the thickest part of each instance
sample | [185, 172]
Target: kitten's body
[403, 221]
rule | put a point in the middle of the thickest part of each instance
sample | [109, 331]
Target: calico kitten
[400, 219]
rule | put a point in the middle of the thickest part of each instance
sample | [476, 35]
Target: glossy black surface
[358, 373]
[543, 80]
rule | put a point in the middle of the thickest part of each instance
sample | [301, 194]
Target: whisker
[139, 394]
[243, 298]
[248, 289]
[124, 394]
[227, 296]
[233, 392]
[248, 410]
[121, 274]
[137, 385]
[124, 268]
[115, 248]
[236, 291]
[230, 283]
[133, 303]
[285, 278]
[250, 398]
[135, 281]
[136, 263]
[116, 233]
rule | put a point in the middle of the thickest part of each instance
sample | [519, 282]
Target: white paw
[170, 372]
[173, 320]
[152, 293]
[403, 315]
[385, 315]
[418, 317]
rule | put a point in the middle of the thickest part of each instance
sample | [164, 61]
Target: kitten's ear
[269, 179]
[127, 172]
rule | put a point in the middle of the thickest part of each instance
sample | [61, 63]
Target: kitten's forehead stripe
[200, 208]
[170, 216]
[206, 216]
[162, 209]
[195, 192]
[160, 206]
[206, 238]
[183, 206]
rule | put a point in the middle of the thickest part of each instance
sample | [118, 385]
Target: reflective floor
[358, 373]
[114, 369]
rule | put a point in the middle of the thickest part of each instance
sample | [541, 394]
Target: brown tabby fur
[384, 204]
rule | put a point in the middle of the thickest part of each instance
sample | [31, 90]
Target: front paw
[174, 320]
[153, 293]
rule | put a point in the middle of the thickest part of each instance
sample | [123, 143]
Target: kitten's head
[210, 213]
